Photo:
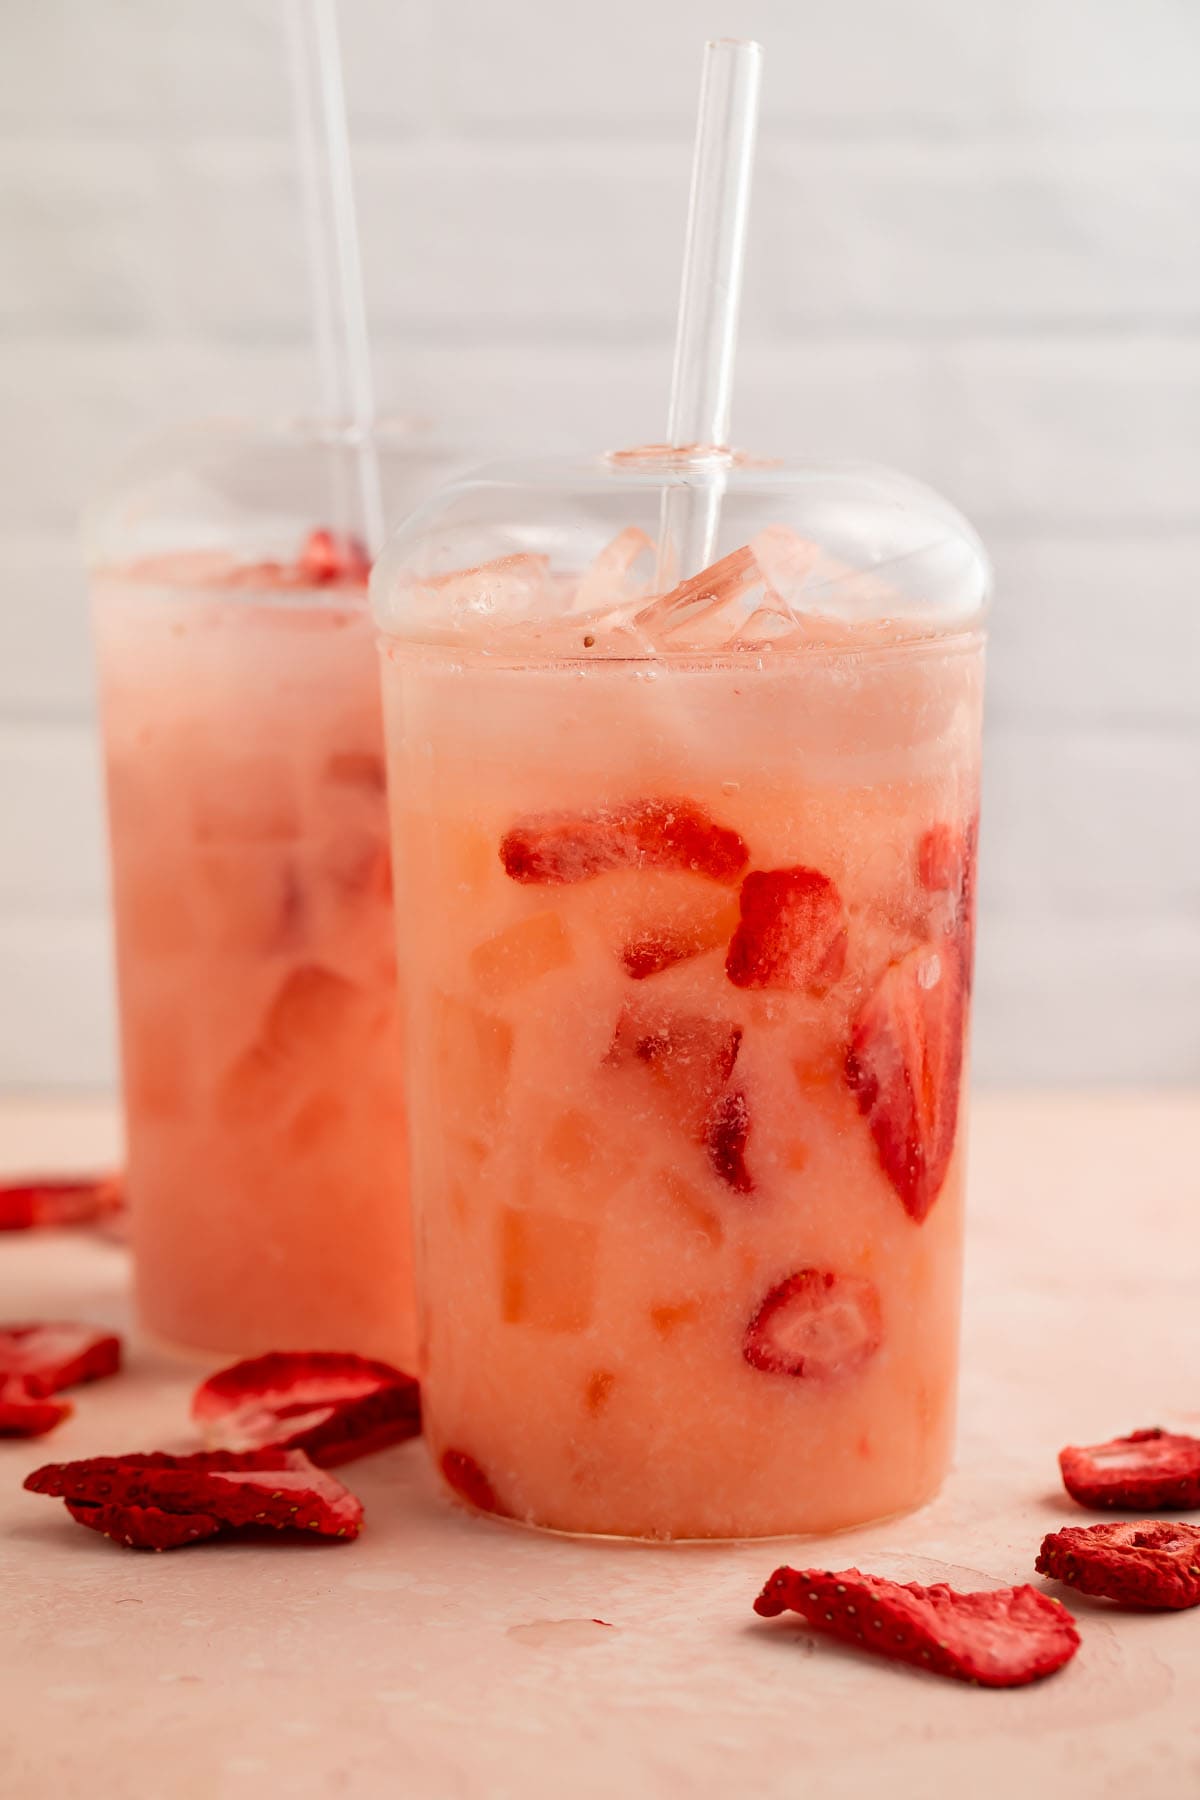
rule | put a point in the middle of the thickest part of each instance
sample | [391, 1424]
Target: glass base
[714, 1542]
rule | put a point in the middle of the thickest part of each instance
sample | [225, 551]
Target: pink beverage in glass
[686, 885]
[253, 910]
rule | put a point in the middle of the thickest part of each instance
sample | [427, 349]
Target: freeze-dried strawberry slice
[904, 1066]
[328, 557]
[330, 1403]
[815, 1324]
[53, 1201]
[1002, 1638]
[1151, 1469]
[689, 1056]
[145, 1527]
[792, 932]
[1148, 1563]
[282, 1489]
[26, 1409]
[726, 1135]
[644, 834]
[464, 1475]
[50, 1357]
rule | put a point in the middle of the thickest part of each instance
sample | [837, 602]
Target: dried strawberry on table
[1149, 1470]
[161, 1502]
[331, 1404]
[1151, 1564]
[38, 1361]
[53, 1200]
[1002, 1637]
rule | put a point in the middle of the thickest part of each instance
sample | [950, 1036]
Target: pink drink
[687, 889]
[252, 901]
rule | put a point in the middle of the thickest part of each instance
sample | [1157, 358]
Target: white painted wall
[975, 252]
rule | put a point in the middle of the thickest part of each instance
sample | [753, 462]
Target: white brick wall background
[975, 252]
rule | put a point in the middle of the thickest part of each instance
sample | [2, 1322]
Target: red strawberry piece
[1002, 1638]
[689, 1056]
[792, 932]
[940, 859]
[282, 1489]
[330, 1403]
[1153, 1469]
[946, 860]
[815, 1324]
[726, 1135]
[57, 1356]
[1149, 1563]
[905, 1064]
[567, 847]
[655, 951]
[145, 1527]
[469, 1482]
[26, 1205]
[26, 1409]
[329, 557]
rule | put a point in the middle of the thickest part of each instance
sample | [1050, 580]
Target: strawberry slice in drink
[792, 932]
[815, 1325]
[568, 847]
[904, 1066]
[688, 1057]
[330, 559]
[1000, 1638]
[726, 1137]
[946, 861]
[463, 1474]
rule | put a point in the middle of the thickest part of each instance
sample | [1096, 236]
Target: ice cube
[357, 769]
[710, 608]
[547, 1270]
[153, 906]
[621, 573]
[474, 1051]
[156, 1058]
[309, 1022]
[250, 799]
[572, 1143]
[248, 900]
[687, 1201]
[508, 588]
[521, 954]
[820, 595]
[319, 1121]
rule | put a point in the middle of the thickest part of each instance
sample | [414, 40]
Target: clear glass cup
[251, 890]
[686, 876]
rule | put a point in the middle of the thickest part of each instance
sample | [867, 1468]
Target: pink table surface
[445, 1656]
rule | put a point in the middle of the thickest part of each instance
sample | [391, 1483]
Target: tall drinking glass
[686, 890]
[252, 894]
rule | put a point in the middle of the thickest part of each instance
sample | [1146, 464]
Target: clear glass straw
[335, 270]
[710, 295]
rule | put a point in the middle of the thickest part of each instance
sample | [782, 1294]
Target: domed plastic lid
[247, 504]
[563, 559]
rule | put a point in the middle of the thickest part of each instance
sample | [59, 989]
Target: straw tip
[749, 46]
